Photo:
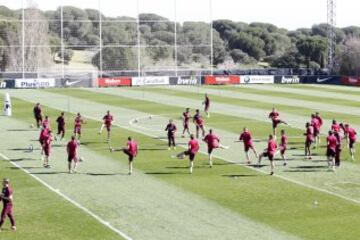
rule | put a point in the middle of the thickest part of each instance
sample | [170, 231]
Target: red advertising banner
[218, 80]
[114, 82]
[354, 81]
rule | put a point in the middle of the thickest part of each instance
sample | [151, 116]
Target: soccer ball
[81, 159]
[150, 117]
[136, 120]
[32, 125]
[31, 148]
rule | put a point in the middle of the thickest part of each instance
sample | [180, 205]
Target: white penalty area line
[57, 191]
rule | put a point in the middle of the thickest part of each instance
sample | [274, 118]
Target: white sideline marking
[258, 170]
[107, 224]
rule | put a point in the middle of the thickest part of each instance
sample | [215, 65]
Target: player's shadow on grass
[21, 159]
[50, 173]
[22, 130]
[153, 149]
[164, 173]
[307, 169]
[105, 174]
[302, 155]
[224, 164]
[187, 167]
[27, 168]
[240, 175]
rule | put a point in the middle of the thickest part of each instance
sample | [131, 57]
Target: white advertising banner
[141, 81]
[257, 79]
[35, 83]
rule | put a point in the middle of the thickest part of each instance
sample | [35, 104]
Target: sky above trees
[288, 14]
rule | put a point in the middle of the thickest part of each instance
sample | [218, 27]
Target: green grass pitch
[161, 200]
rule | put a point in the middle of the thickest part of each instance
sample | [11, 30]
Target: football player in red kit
[335, 127]
[309, 138]
[350, 134]
[199, 123]
[131, 151]
[108, 119]
[77, 125]
[46, 123]
[283, 146]
[61, 126]
[206, 104]
[274, 116]
[331, 150]
[71, 149]
[212, 142]
[38, 115]
[171, 130]
[6, 196]
[43, 136]
[47, 148]
[321, 122]
[246, 138]
[270, 153]
[315, 123]
[186, 118]
[193, 148]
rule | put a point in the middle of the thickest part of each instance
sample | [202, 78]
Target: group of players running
[336, 135]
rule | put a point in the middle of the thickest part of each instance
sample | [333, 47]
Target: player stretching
[193, 148]
[270, 153]
[171, 130]
[131, 151]
[308, 140]
[6, 196]
[350, 133]
[61, 126]
[321, 122]
[77, 127]
[108, 119]
[331, 150]
[199, 123]
[274, 116]
[315, 123]
[246, 138]
[283, 146]
[206, 104]
[71, 149]
[186, 118]
[47, 149]
[213, 142]
[38, 115]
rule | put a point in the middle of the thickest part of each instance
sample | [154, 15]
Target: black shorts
[268, 155]
[190, 154]
[330, 152]
[131, 156]
[351, 143]
[71, 158]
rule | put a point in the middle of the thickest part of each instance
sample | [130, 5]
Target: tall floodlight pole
[331, 35]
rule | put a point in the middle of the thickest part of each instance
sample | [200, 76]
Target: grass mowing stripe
[325, 87]
[219, 121]
[349, 169]
[168, 208]
[240, 197]
[78, 205]
[226, 96]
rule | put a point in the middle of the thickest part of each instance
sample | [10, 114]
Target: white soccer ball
[150, 117]
[32, 125]
[81, 159]
[31, 147]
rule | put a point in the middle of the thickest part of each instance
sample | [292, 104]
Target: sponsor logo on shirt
[290, 80]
